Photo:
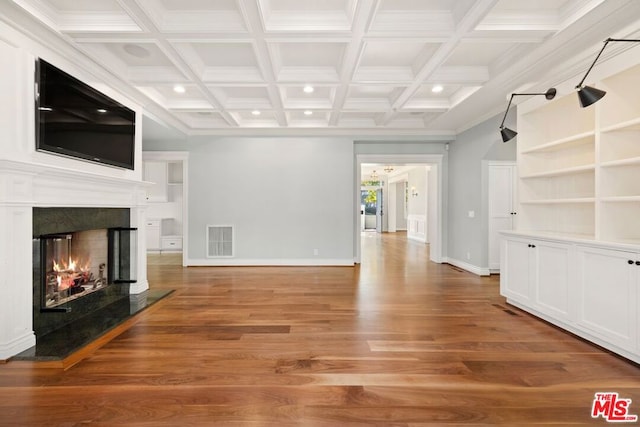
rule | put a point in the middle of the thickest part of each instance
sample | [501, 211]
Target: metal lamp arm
[507, 110]
[606, 42]
[511, 99]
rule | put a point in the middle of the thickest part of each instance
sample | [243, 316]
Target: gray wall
[468, 188]
[418, 178]
[276, 190]
[401, 212]
[285, 197]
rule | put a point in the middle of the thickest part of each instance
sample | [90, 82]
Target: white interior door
[501, 207]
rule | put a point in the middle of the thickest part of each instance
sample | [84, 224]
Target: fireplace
[83, 260]
[74, 266]
[79, 263]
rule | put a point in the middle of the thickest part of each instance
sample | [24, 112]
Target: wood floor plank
[396, 341]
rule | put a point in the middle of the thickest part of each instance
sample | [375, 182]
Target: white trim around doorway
[436, 248]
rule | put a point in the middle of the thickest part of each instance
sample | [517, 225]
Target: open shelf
[621, 144]
[629, 125]
[558, 201]
[560, 172]
[558, 218]
[554, 123]
[622, 180]
[619, 108]
[620, 219]
[568, 142]
[578, 186]
[622, 162]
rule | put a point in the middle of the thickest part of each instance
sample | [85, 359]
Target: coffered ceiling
[371, 66]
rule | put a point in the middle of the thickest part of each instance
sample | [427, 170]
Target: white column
[16, 264]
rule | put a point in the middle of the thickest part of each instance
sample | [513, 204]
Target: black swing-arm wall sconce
[589, 95]
[509, 134]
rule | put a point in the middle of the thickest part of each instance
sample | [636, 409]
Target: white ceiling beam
[256, 13]
[474, 15]
[135, 9]
[352, 55]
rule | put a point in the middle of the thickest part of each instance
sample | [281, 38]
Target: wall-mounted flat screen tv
[75, 120]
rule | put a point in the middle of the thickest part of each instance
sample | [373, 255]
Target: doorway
[433, 186]
[368, 209]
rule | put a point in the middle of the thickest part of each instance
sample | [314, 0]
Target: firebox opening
[74, 265]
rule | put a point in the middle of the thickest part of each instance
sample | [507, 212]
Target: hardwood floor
[397, 341]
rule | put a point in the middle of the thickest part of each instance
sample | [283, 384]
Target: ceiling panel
[372, 63]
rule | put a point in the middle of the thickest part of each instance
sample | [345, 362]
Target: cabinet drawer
[169, 243]
[152, 223]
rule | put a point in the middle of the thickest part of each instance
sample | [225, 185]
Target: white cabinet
[536, 273]
[515, 276]
[608, 295]
[152, 228]
[157, 173]
[591, 290]
[166, 199]
[171, 243]
[502, 206]
[551, 290]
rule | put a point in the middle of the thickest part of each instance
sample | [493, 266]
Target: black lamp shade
[588, 95]
[507, 134]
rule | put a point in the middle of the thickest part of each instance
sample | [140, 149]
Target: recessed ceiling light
[179, 89]
[255, 112]
[308, 112]
[101, 110]
[308, 89]
[437, 89]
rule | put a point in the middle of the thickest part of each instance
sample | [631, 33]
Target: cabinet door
[152, 229]
[551, 278]
[608, 295]
[156, 172]
[516, 270]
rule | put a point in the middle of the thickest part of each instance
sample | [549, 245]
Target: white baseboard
[416, 238]
[469, 267]
[17, 345]
[138, 287]
[221, 262]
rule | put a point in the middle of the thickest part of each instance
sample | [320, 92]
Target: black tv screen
[75, 120]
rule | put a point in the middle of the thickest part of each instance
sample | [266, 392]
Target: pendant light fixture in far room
[587, 94]
[509, 134]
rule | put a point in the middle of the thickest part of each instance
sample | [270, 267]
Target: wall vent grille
[219, 241]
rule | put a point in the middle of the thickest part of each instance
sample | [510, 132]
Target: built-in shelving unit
[574, 259]
[580, 167]
[165, 202]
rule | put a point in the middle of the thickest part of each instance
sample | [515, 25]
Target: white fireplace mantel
[25, 185]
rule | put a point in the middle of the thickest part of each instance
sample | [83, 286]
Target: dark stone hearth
[63, 342]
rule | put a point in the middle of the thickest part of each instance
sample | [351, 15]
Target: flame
[66, 274]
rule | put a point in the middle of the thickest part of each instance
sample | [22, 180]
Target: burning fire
[70, 275]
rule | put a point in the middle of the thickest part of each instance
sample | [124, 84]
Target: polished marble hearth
[63, 342]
